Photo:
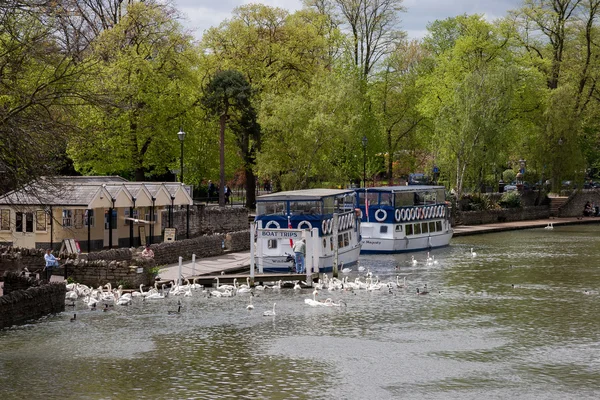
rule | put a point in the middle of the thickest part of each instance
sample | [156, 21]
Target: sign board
[140, 270]
[142, 235]
[280, 234]
[170, 234]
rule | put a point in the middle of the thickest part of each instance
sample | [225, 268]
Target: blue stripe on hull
[272, 270]
[400, 251]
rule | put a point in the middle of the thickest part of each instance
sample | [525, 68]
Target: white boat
[328, 216]
[396, 219]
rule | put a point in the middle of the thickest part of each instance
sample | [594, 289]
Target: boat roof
[403, 188]
[304, 194]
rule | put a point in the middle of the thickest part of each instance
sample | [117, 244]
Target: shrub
[510, 199]
[508, 176]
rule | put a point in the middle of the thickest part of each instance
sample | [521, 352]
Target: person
[148, 253]
[51, 262]
[227, 194]
[588, 211]
[299, 251]
[211, 191]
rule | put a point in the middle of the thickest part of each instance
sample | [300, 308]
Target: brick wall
[576, 202]
[22, 302]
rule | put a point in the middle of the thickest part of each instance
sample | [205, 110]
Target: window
[88, 218]
[340, 241]
[324, 243]
[383, 229]
[134, 216]
[270, 208]
[432, 227]
[409, 229]
[272, 244]
[24, 222]
[28, 222]
[398, 228]
[113, 222]
[305, 207]
[147, 216]
[5, 220]
[424, 227]
[331, 243]
[67, 218]
[417, 228]
[438, 225]
[40, 220]
[346, 239]
[19, 222]
[387, 199]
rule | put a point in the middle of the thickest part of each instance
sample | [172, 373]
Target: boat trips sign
[280, 234]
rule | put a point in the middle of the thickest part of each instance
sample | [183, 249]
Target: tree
[138, 98]
[228, 96]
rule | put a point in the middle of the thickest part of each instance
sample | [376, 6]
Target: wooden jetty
[288, 280]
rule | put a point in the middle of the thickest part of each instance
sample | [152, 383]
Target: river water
[473, 336]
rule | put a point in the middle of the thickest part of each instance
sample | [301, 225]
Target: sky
[203, 14]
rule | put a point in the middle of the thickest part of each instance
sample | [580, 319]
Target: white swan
[270, 313]
[414, 262]
[473, 254]
[250, 306]
[297, 286]
[313, 302]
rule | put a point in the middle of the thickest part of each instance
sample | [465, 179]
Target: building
[98, 212]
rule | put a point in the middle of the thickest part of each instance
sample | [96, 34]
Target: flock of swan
[106, 296]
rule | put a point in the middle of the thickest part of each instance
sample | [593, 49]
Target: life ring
[429, 212]
[351, 221]
[301, 223]
[346, 219]
[402, 214]
[436, 211]
[412, 214]
[324, 226]
[275, 223]
[398, 215]
[358, 212]
[377, 217]
[343, 223]
[443, 211]
[330, 225]
[421, 213]
[439, 211]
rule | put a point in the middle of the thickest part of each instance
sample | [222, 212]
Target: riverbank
[465, 230]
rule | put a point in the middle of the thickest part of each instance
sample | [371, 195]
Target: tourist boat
[396, 219]
[327, 214]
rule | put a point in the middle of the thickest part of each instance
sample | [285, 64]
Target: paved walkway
[464, 230]
[229, 262]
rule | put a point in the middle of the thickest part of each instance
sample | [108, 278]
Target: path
[464, 230]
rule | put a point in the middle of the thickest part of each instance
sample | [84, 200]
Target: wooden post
[252, 235]
[335, 244]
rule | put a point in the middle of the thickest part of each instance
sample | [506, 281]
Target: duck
[422, 292]
[74, 318]
[270, 313]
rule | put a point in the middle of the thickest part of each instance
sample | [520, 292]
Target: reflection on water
[513, 322]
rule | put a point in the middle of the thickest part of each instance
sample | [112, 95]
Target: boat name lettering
[276, 234]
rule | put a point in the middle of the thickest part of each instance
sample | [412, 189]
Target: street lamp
[364, 144]
[181, 136]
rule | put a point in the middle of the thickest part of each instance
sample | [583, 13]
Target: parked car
[513, 186]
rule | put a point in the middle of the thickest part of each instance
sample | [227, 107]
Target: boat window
[387, 199]
[324, 243]
[271, 208]
[371, 196]
[305, 207]
[272, 244]
[331, 243]
[350, 235]
[398, 228]
[409, 229]
[383, 229]
[417, 228]
[425, 227]
[440, 196]
[346, 239]
[340, 241]
[403, 199]
[432, 227]
[438, 225]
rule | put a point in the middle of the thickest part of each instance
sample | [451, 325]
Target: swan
[297, 286]
[473, 254]
[224, 287]
[245, 285]
[277, 285]
[549, 226]
[71, 295]
[188, 291]
[313, 302]
[270, 313]
[414, 262]
[195, 285]
[157, 295]
[346, 270]
[250, 306]
[330, 303]
[140, 293]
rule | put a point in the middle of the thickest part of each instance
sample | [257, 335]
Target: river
[518, 320]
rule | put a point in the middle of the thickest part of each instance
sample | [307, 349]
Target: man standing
[51, 262]
[299, 251]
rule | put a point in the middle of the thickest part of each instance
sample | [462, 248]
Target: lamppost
[181, 135]
[364, 144]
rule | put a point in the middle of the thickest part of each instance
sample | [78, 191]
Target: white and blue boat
[396, 219]
[328, 215]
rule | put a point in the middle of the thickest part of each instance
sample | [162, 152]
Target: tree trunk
[222, 160]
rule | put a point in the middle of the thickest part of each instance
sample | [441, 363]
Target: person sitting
[147, 253]
[588, 210]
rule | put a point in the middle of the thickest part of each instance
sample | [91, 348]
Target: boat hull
[278, 264]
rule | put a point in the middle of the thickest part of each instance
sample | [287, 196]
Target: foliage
[509, 176]
[510, 199]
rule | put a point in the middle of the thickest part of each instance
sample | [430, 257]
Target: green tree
[139, 96]
[228, 97]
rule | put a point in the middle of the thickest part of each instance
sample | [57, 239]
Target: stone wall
[576, 202]
[17, 258]
[502, 215]
[22, 302]
[131, 274]
[207, 220]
